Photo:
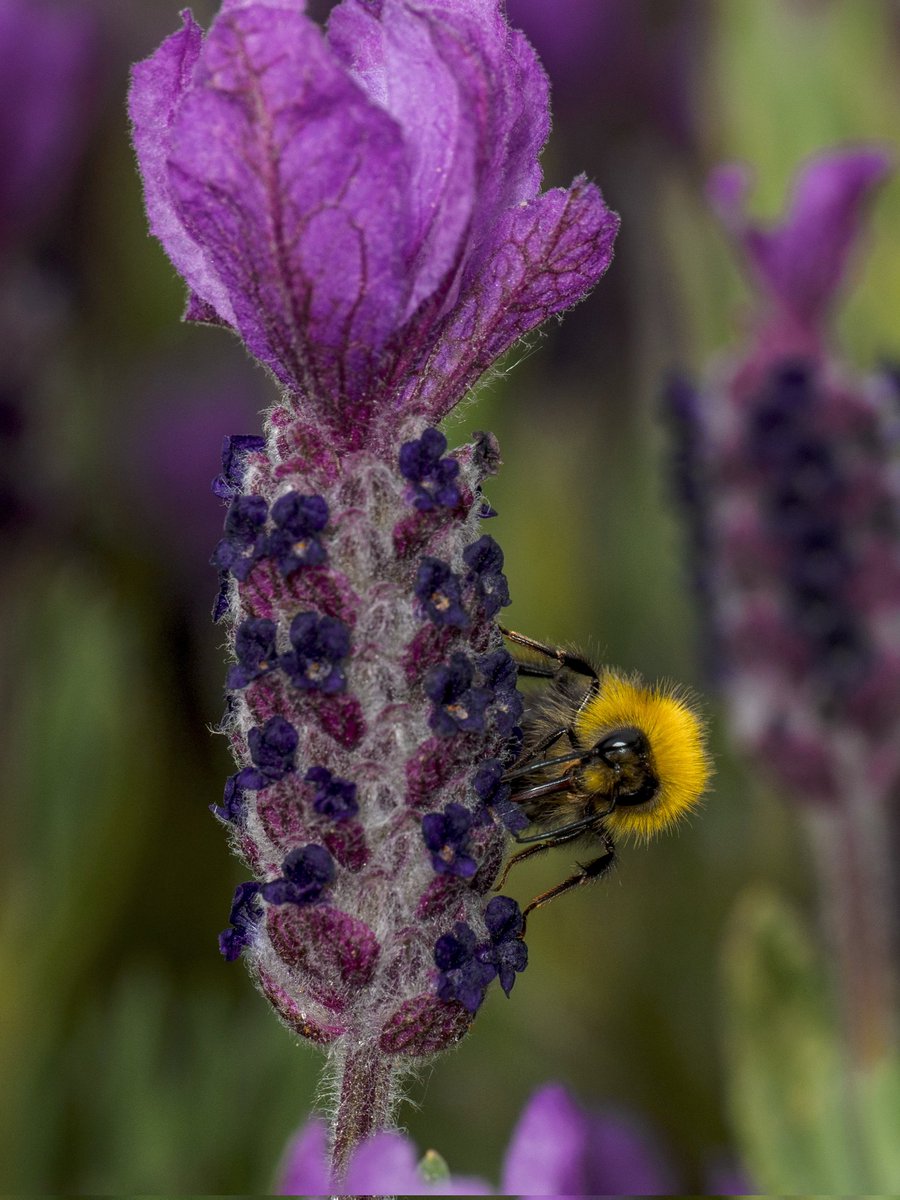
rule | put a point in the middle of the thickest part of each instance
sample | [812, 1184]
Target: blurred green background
[136, 1060]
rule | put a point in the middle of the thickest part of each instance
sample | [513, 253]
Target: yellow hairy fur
[667, 716]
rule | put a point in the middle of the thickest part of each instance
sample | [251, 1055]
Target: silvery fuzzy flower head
[787, 471]
[363, 207]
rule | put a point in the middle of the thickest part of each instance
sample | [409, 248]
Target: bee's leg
[564, 657]
[547, 841]
[586, 874]
[520, 857]
[545, 743]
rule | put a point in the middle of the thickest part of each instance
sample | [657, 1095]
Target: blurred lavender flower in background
[556, 1149]
[787, 471]
[42, 129]
[630, 60]
[43, 133]
[363, 209]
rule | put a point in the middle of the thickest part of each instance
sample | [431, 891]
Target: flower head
[363, 207]
[785, 474]
[41, 126]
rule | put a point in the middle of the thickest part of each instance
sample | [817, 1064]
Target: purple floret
[433, 478]
[462, 976]
[299, 520]
[458, 706]
[499, 674]
[440, 593]
[484, 559]
[305, 873]
[244, 542]
[335, 798]
[272, 749]
[244, 917]
[231, 810]
[320, 645]
[488, 785]
[446, 834]
[255, 649]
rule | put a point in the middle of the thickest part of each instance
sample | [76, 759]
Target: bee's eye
[622, 746]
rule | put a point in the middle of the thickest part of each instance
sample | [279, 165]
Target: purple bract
[376, 235]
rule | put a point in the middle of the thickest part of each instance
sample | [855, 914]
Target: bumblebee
[604, 755]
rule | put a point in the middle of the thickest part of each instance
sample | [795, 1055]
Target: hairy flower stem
[853, 852]
[367, 1094]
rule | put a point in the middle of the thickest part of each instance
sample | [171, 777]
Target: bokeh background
[133, 1058]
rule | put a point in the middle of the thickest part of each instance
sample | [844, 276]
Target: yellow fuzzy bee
[604, 755]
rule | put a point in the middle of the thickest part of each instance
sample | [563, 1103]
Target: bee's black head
[627, 752]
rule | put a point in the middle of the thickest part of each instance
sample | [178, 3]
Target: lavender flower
[786, 474]
[556, 1149]
[363, 208]
[41, 128]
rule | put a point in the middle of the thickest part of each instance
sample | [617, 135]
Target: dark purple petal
[334, 797]
[320, 646]
[234, 451]
[306, 872]
[244, 917]
[801, 261]
[272, 748]
[452, 950]
[440, 593]
[433, 478]
[503, 919]
[255, 649]
[446, 834]
[231, 809]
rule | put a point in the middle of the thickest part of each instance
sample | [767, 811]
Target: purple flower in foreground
[556, 1149]
[363, 207]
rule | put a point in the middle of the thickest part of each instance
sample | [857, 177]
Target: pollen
[668, 717]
